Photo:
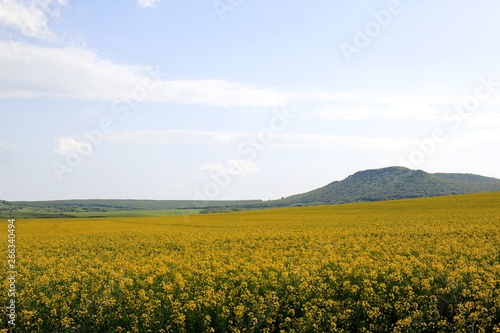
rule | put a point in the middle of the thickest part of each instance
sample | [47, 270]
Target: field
[110, 208]
[420, 265]
[138, 213]
[28, 213]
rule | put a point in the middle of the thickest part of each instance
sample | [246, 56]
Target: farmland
[415, 265]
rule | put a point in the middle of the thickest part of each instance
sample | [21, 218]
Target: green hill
[370, 185]
[394, 183]
[380, 184]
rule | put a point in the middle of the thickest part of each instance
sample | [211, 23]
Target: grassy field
[137, 213]
[30, 213]
[421, 265]
[110, 207]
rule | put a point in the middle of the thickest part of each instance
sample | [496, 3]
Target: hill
[389, 183]
[394, 183]
[369, 185]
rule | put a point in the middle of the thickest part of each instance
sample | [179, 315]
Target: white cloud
[217, 167]
[371, 105]
[147, 3]
[34, 71]
[68, 72]
[172, 137]
[351, 143]
[346, 113]
[31, 18]
[303, 141]
[472, 139]
[225, 138]
[482, 119]
[244, 167]
[342, 142]
[219, 93]
[338, 96]
[235, 167]
[68, 146]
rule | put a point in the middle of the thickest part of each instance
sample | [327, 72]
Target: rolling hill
[394, 183]
[369, 185]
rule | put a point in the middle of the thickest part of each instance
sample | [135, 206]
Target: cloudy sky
[241, 99]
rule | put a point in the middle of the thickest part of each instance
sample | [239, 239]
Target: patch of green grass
[27, 213]
[137, 213]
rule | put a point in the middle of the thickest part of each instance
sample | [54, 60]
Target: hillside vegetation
[378, 185]
[395, 183]
[369, 185]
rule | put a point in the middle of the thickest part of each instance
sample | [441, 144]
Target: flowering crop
[422, 265]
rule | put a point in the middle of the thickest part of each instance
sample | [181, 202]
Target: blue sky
[241, 99]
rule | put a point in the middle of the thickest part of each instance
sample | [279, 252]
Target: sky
[241, 99]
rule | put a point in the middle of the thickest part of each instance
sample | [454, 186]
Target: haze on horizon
[217, 99]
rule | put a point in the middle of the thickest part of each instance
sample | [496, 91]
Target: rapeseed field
[422, 265]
